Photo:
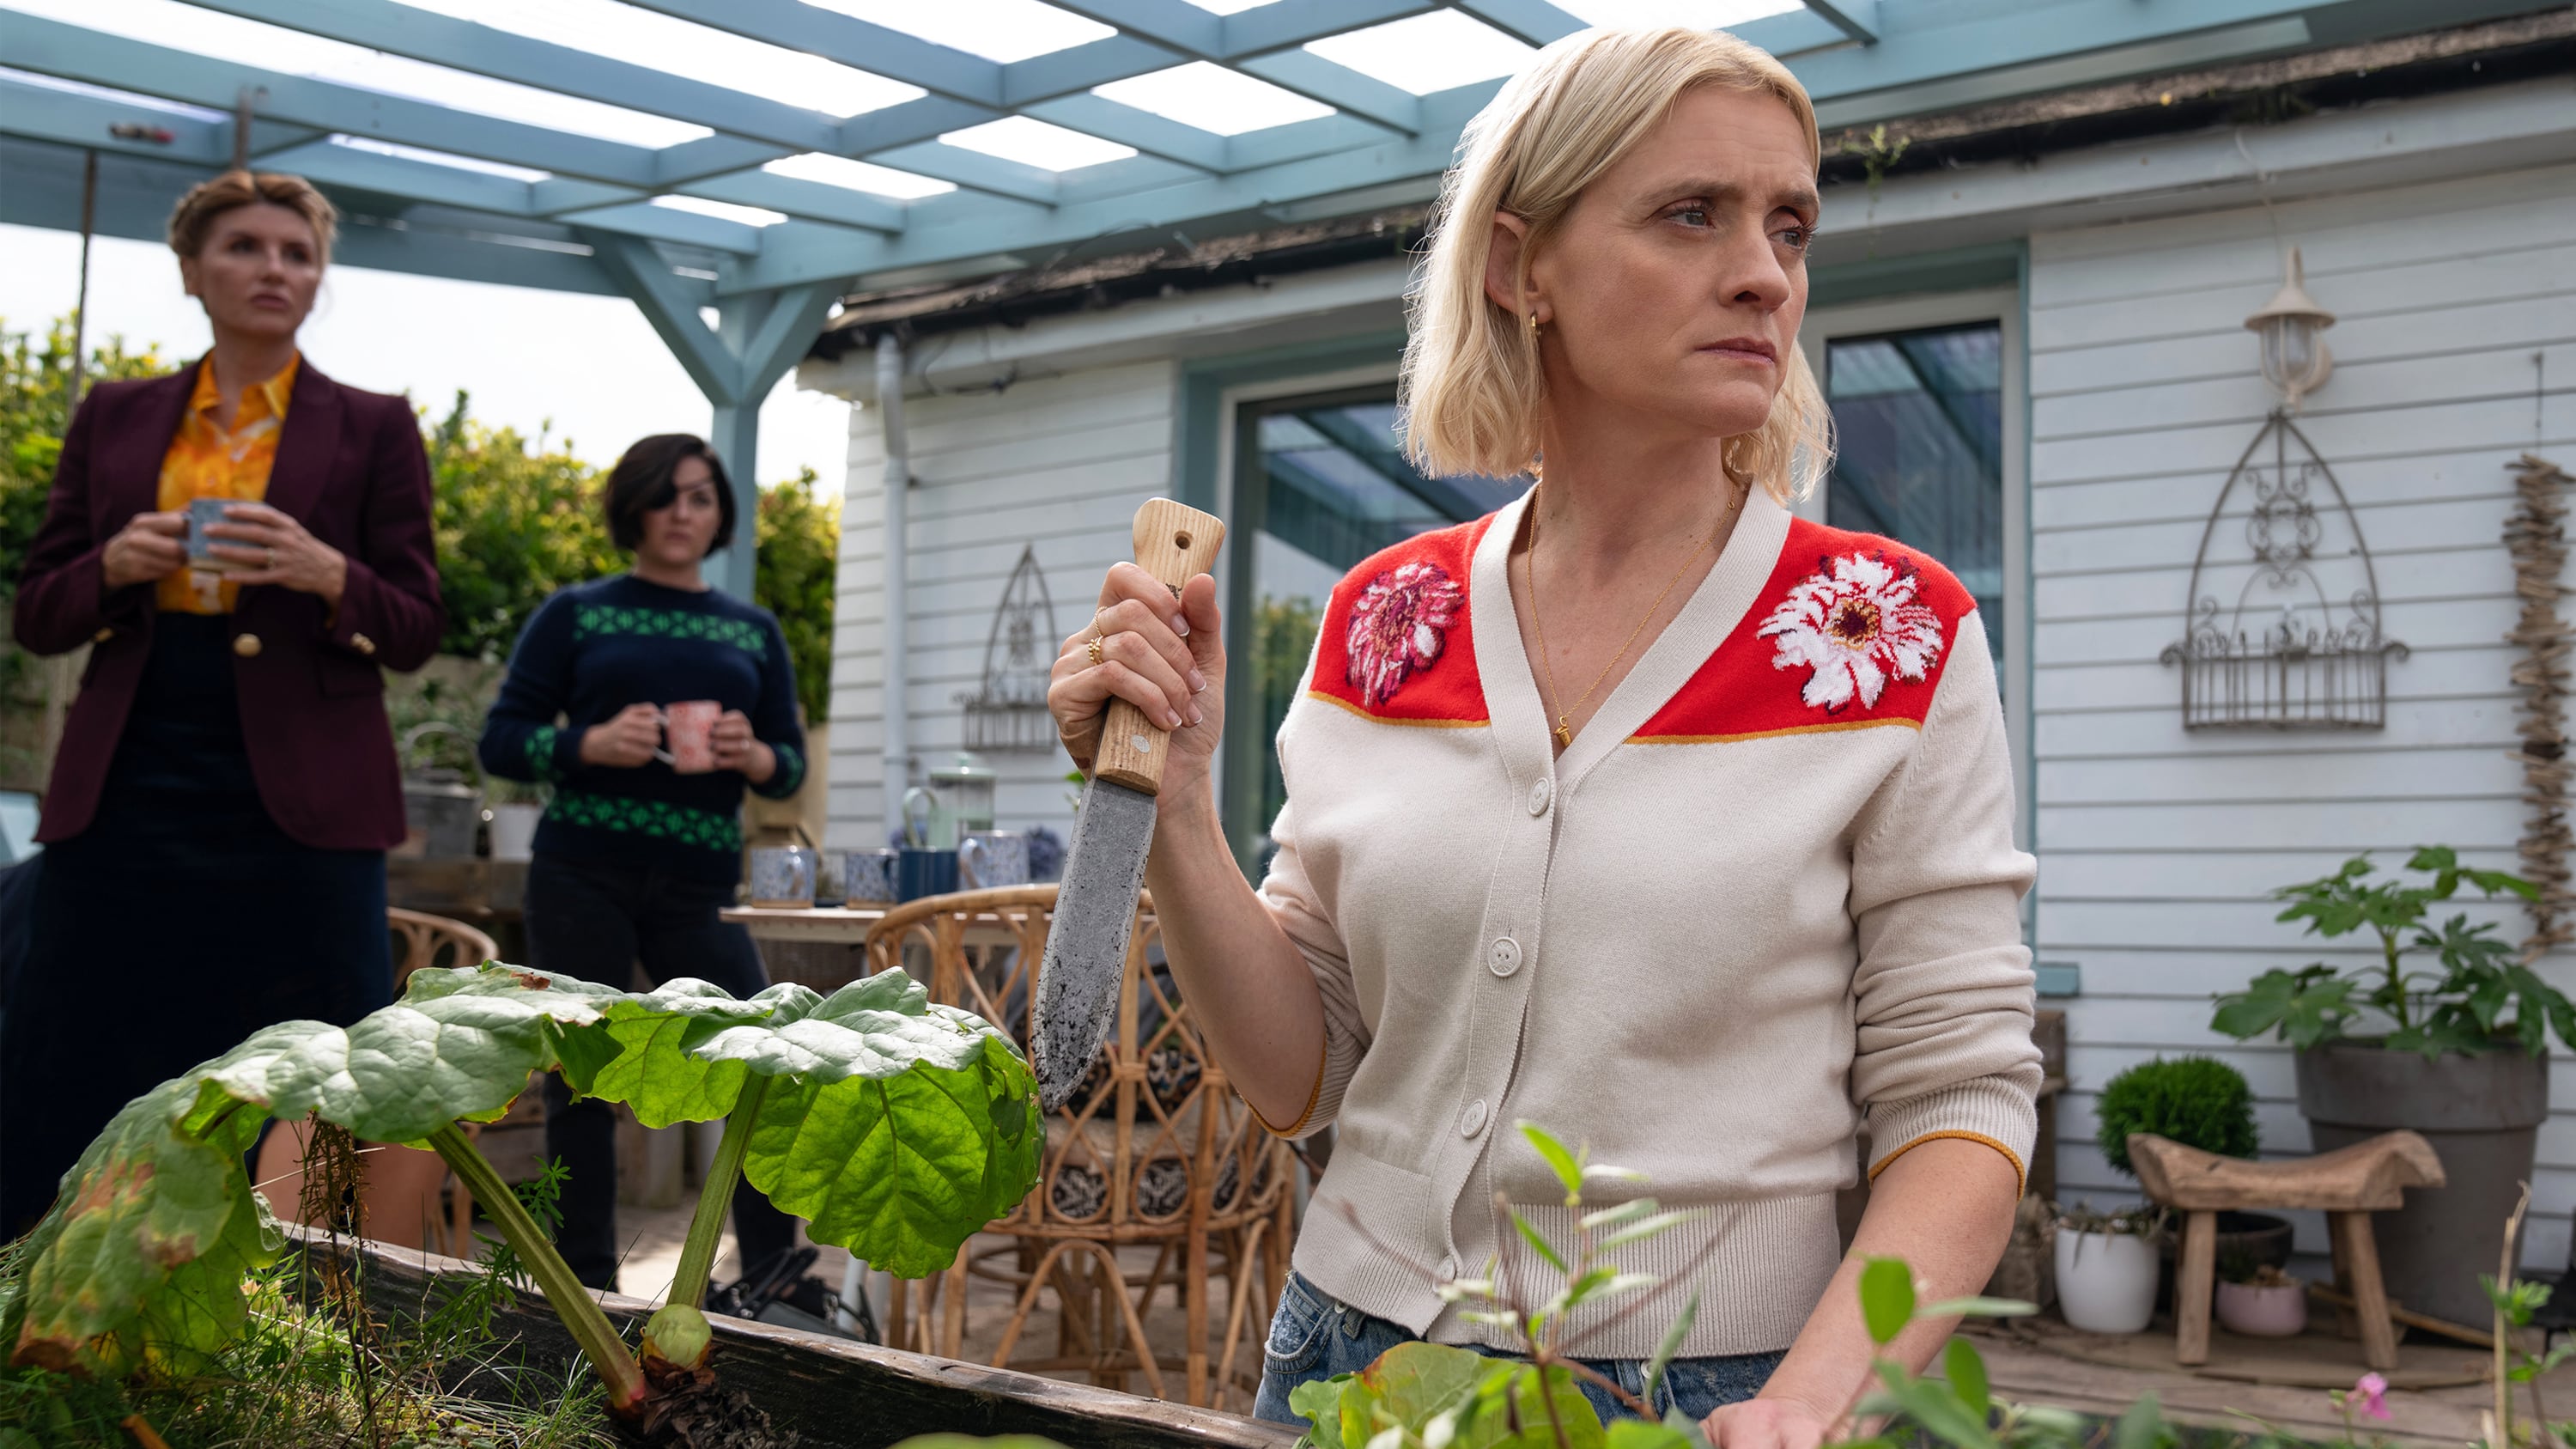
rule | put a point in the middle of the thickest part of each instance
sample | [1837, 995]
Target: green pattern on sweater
[591, 620]
[658, 819]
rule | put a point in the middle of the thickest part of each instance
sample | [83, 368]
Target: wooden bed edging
[836, 1393]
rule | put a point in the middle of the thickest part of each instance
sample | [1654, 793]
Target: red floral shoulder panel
[1396, 643]
[1850, 631]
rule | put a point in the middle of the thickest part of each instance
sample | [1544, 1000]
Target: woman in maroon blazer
[226, 787]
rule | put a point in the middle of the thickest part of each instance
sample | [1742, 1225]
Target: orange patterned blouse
[205, 461]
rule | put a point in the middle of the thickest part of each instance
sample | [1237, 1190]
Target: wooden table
[833, 925]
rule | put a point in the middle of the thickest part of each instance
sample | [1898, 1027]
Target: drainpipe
[898, 480]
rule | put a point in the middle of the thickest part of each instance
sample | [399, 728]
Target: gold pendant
[1564, 734]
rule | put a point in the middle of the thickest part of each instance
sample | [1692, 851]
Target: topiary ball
[2198, 1101]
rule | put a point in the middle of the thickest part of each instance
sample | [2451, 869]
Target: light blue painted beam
[1791, 33]
[1856, 19]
[672, 309]
[49, 47]
[811, 200]
[40, 185]
[482, 50]
[2048, 73]
[1266, 28]
[1203, 35]
[1338, 86]
[1176, 23]
[329, 165]
[644, 221]
[973, 169]
[41, 113]
[1906, 56]
[1298, 140]
[1531, 22]
[1078, 68]
[936, 68]
[1149, 133]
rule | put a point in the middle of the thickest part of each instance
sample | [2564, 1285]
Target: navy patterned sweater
[595, 648]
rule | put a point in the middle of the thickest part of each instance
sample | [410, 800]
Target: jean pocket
[1297, 1329]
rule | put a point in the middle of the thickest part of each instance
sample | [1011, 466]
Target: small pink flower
[2371, 1391]
[1853, 623]
[1396, 627]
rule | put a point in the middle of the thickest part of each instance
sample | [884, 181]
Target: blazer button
[246, 645]
[102, 636]
[362, 643]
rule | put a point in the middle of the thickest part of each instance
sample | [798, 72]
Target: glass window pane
[1327, 481]
[1918, 422]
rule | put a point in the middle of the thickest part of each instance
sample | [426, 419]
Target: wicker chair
[420, 940]
[1154, 1149]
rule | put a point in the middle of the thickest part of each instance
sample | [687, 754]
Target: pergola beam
[1856, 19]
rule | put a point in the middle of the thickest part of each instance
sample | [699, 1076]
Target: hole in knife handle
[1180, 540]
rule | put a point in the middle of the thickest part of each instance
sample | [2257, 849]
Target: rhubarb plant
[897, 1126]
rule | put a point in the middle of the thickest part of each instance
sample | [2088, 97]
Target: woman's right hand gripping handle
[1162, 655]
[1249, 989]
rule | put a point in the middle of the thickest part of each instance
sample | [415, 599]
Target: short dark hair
[641, 482]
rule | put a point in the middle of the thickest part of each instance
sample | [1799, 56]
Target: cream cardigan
[1769, 895]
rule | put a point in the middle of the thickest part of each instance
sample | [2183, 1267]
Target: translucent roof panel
[1002, 30]
[679, 47]
[1433, 51]
[1214, 99]
[855, 144]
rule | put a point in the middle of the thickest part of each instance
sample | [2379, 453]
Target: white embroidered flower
[1853, 623]
[1396, 626]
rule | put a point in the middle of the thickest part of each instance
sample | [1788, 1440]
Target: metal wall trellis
[2293, 652]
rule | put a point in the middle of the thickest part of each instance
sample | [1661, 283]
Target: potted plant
[2200, 1102]
[511, 810]
[2258, 1299]
[2455, 1048]
[2107, 1267]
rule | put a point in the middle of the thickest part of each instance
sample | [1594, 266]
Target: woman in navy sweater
[634, 858]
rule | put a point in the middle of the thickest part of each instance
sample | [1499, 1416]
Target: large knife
[1095, 909]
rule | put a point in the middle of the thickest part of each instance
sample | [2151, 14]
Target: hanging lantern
[2291, 328]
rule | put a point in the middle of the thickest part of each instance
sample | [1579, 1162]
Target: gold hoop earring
[1531, 316]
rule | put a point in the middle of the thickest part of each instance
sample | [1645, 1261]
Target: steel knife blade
[1095, 914]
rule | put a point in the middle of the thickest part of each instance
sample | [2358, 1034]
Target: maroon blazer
[350, 469]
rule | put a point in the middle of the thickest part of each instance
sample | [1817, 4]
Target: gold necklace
[1564, 730]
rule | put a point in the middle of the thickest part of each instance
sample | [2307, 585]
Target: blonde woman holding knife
[1640, 809]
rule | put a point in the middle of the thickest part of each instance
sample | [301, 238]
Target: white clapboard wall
[2157, 846]
[1057, 463]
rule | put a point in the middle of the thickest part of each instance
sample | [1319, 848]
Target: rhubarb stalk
[571, 1301]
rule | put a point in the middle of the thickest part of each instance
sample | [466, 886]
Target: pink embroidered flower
[1396, 626]
[1853, 623]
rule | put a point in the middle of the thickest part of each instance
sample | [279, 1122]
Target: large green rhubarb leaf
[895, 1126]
[143, 1253]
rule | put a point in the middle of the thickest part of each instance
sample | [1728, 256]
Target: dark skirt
[179, 923]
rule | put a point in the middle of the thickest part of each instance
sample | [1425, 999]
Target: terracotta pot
[2106, 1282]
[2263, 1310]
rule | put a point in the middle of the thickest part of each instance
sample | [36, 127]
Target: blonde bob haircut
[1472, 389]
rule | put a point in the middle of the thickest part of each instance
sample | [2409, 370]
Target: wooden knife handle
[1175, 544]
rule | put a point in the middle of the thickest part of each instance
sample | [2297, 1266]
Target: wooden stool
[2347, 1184]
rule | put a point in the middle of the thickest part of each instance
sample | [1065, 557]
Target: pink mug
[689, 728]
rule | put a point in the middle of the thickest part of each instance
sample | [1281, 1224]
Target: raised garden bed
[833, 1393]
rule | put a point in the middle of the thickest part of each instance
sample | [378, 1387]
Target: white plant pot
[514, 831]
[2106, 1282]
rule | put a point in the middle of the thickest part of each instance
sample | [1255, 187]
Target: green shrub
[2198, 1101]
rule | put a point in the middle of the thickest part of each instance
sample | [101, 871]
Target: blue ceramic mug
[921, 873]
[873, 879]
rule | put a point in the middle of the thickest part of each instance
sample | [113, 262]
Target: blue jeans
[1315, 1336]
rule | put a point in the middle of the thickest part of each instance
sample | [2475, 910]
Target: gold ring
[1093, 649]
[272, 558]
